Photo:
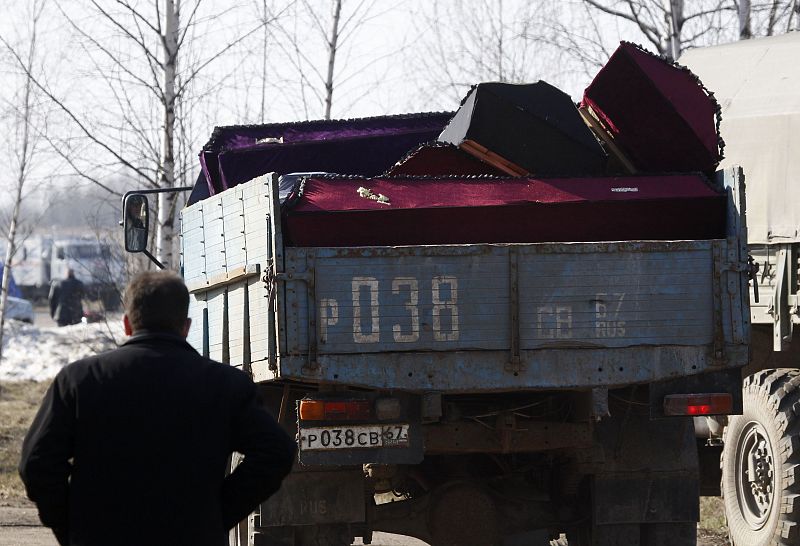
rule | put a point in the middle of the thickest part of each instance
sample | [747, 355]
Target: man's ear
[186, 326]
[127, 324]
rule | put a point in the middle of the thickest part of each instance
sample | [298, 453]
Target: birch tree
[23, 141]
[327, 59]
[149, 59]
[460, 44]
[671, 26]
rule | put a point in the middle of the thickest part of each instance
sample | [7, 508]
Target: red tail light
[333, 410]
[698, 404]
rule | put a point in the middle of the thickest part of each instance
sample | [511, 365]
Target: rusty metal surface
[526, 437]
[485, 371]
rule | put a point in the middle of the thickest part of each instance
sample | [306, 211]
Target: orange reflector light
[698, 404]
[332, 410]
[312, 410]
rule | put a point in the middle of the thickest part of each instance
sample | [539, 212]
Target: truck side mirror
[136, 219]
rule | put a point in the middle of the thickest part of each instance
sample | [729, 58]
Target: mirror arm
[153, 258]
[159, 190]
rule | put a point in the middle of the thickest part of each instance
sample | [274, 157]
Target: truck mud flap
[310, 498]
[654, 498]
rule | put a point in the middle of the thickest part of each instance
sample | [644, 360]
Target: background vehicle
[757, 83]
[17, 307]
[43, 259]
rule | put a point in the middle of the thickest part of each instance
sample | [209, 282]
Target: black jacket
[131, 447]
[65, 301]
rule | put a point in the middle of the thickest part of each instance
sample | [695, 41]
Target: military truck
[471, 394]
[757, 83]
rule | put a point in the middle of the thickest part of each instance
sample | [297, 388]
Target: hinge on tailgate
[719, 334]
[271, 278]
[514, 365]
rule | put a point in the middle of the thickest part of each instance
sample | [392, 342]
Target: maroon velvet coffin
[337, 211]
[657, 113]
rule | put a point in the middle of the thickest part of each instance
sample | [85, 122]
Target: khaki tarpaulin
[757, 84]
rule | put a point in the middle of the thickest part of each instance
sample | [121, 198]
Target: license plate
[353, 437]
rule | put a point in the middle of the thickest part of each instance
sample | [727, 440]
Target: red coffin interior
[441, 159]
[658, 113]
[328, 211]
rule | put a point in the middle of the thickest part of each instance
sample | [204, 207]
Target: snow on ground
[37, 353]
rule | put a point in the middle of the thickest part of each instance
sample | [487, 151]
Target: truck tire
[761, 462]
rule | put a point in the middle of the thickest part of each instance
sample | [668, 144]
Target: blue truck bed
[460, 318]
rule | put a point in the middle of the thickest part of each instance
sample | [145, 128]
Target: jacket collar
[145, 336]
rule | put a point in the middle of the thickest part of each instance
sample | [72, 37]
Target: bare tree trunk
[337, 10]
[745, 32]
[10, 251]
[773, 13]
[796, 12]
[24, 156]
[674, 12]
[264, 42]
[500, 55]
[166, 201]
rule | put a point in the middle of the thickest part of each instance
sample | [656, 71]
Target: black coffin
[525, 129]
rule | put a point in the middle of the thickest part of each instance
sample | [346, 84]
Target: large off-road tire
[761, 462]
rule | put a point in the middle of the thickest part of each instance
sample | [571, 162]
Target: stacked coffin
[525, 129]
[654, 114]
[355, 146]
[351, 211]
[516, 163]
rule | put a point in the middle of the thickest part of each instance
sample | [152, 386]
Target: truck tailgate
[461, 317]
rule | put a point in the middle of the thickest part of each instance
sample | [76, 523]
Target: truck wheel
[761, 462]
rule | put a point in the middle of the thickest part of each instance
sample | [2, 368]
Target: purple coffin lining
[365, 156]
[229, 140]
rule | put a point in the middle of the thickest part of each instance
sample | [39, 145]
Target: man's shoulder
[230, 373]
[76, 371]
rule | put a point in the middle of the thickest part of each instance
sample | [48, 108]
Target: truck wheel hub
[755, 475]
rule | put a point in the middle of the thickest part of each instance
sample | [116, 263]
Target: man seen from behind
[130, 447]
[65, 300]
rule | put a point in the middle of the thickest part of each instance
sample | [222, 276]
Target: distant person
[65, 298]
[131, 447]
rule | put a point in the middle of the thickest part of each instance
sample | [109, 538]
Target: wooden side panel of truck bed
[462, 317]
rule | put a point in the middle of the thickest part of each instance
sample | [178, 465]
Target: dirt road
[19, 526]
